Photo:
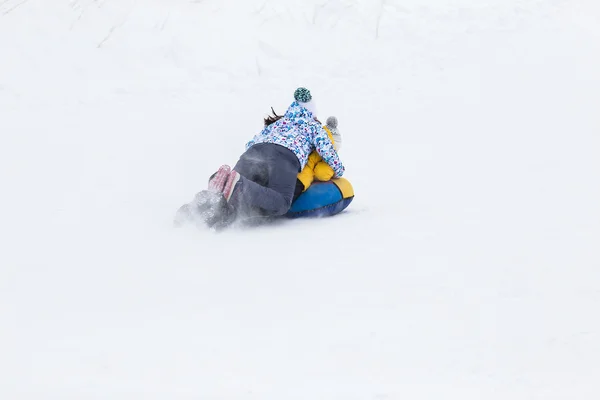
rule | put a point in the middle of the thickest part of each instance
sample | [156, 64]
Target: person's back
[300, 132]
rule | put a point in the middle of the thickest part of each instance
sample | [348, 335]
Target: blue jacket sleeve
[325, 149]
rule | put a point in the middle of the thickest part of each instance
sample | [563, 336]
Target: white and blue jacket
[301, 133]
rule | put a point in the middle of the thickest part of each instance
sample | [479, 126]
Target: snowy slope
[467, 267]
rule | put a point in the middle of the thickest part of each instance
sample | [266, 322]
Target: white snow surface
[467, 267]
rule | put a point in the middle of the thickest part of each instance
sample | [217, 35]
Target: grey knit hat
[332, 124]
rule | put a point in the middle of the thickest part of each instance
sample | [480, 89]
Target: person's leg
[253, 165]
[298, 190]
[271, 201]
[283, 174]
[273, 194]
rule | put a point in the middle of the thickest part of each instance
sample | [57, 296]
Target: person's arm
[323, 171]
[307, 175]
[325, 149]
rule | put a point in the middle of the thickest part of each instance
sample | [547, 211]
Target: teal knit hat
[302, 95]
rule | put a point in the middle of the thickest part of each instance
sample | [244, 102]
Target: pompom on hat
[303, 96]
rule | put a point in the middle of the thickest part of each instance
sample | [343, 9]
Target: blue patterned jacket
[299, 132]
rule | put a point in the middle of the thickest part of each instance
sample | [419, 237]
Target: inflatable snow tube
[323, 199]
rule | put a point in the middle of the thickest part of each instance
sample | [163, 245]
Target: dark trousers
[268, 180]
